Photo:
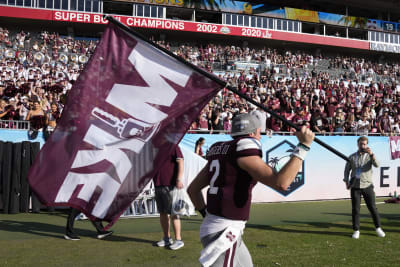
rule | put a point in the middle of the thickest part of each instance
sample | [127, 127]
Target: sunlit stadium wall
[322, 174]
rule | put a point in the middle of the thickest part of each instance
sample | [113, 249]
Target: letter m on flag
[394, 142]
[127, 111]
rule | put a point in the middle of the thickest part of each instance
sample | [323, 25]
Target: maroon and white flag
[129, 108]
[394, 142]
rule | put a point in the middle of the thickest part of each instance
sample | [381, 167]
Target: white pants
[238, 254]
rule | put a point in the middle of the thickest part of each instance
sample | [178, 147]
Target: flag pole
[220, 82]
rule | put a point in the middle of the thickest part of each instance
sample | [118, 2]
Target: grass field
[279, 234]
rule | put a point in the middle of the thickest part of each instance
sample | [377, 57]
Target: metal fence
[25, 125]
[270, 133]
[14, 125]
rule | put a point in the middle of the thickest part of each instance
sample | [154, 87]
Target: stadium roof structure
[375, 9]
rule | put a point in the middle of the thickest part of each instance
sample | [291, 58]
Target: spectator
[301, 117]
[228, 123]
[350, 125]
[339, 121]
[363, 125]
[316, 122]
[274, 124]
[198, 146]
[23, 108]
[3, 110]
[168, 177]
[396, 125]
[217, 122]
[52, 117]
[37, 119]
[384, 125]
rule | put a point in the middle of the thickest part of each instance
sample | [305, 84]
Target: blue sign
[277, 157]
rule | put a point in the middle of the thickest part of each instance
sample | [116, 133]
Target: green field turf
[278, 234]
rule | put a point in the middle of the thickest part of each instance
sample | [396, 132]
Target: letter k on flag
[128, 109]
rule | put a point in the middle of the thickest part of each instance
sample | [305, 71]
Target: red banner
[177, 25]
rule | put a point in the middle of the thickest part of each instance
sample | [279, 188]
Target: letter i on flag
[128, 109]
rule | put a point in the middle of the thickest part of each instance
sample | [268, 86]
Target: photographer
[360, 165]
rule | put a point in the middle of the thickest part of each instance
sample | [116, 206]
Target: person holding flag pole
[233, 168]
[70, 233]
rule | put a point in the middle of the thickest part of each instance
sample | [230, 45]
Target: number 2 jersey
[229, 195]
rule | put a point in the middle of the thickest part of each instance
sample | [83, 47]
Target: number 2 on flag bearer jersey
[214, 167]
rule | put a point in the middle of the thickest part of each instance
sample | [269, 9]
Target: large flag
[127, 111]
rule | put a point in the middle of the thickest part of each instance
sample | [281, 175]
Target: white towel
[224, 242]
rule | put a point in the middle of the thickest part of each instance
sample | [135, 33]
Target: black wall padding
[25, 164]
[15, 161]
[6, 175]
[1, 170]
[15, 179]
[1, 167]
[35, 147]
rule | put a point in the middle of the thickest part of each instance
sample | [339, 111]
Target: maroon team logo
[230, 236]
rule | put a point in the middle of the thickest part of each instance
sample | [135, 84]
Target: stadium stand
[296, 84]
[331, 90]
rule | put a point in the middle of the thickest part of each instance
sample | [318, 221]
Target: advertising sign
[321, 177]
[178, 25]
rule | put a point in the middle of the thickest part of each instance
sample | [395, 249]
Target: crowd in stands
[36, 72]
[337, 94]
[353, 102]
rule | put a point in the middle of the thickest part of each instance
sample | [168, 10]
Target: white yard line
[377, 203]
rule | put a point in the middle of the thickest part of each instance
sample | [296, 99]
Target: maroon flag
[394, 142]
[129, 108]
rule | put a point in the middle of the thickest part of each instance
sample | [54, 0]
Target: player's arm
[281, 180]
[179, 177]
[263, 173]
[194, 189]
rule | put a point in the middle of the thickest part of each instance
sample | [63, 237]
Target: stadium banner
[321, 177]
[390, 48]
[188, 26]
[301, 15]
[129, 108]
[251, 8]
[274, 11]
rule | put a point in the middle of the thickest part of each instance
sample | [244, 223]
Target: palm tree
[273, 161]
[205, 4]
[354, 22]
